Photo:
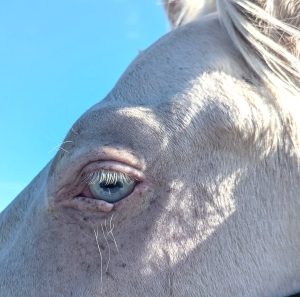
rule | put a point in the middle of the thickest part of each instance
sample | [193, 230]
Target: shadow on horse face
[216, 208]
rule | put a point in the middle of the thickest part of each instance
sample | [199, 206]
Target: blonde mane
[181, 12]
[266, 32]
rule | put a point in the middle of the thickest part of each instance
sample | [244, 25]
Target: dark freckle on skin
[85, 219]
[152, 202]
[196, 213]
[123, 265]
[109, 275]
[59, 269]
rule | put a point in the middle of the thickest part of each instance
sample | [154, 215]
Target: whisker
[101, 276]
[111, 233]
[107, 246]
[59, 146]
[74, 131]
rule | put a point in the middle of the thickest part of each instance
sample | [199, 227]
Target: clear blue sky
[57, 58]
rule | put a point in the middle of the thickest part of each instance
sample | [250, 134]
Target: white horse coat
[201, 137]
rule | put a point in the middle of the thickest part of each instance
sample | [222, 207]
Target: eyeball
[111, 186]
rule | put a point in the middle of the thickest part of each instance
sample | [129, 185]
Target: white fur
[181, 12]
[218, 214]
[266, 32]
[271, 39]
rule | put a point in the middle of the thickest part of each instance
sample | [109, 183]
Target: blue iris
[112, 189]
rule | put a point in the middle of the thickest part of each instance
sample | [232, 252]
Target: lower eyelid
[88, 204]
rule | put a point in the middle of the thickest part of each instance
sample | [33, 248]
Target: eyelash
[107, 177]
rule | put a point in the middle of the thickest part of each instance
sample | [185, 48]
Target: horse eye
[111, 186]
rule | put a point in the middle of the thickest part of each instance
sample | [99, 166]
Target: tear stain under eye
[108, 177]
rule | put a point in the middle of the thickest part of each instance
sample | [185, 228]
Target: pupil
[111, 187]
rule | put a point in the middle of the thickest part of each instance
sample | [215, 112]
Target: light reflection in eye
[110, 186]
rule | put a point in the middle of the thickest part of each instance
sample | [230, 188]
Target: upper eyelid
[112, 175]
[92, 169]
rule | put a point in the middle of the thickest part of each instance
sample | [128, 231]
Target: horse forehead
[189, 72]
[193, 72]
[196, 56]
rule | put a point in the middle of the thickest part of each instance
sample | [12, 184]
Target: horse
[185, 179]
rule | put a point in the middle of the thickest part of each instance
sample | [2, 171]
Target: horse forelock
[181, 12]
[266, 33]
